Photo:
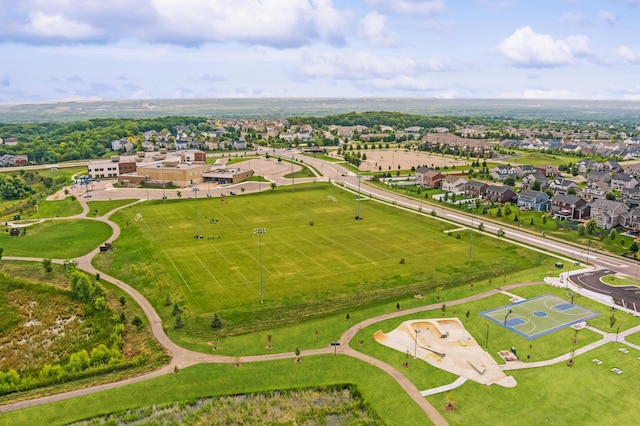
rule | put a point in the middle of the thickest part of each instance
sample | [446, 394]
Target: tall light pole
[195, 190]
[359, 177]
[292, 173]
[259, 232]
[415, 346]
[486, 344]
[471, 235]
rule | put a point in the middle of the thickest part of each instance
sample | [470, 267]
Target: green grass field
[316, 258]
[56, 239]
[100, 208]
[584, 394]
[383, 394]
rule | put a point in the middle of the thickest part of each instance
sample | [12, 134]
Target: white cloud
[609, 18]
[59, 27]
[526, 48]
[282, 23]
[629, 54]
[423, 7]
[350, 66]
[372, 28]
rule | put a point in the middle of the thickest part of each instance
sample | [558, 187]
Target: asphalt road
[627, 295]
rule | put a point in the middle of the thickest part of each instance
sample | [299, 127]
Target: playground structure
[446, 344]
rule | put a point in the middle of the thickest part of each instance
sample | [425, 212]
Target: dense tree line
[376, 118]
[54, 142]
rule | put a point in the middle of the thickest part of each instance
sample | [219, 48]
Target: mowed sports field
[317, 259]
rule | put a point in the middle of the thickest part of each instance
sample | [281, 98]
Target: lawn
[59, 208]
[316, 259]
[385, 397]
[100, 208]
[585, 394]
[540, 159]
[56, 239]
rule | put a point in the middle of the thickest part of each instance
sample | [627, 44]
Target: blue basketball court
[539, 315]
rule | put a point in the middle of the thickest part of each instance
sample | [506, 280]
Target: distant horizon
[279, 108]
[106, 100]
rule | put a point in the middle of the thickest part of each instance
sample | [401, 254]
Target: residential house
[453, 183]
[10, 141]
[611, 166]
[562, 185]
[606, 213]
[568, 207]
[549, 171]
[528, 180]
[586, 166]
[7, 160]
[116, 145]
[20, 160]
[529, 199]
[622, 181]
[524, 170]
[599, 177]
[500, 194]
[594, 191]
[633, 222]
[631, 197]
[633, 170]
[475, 189]
[503, 172]
[430, 179]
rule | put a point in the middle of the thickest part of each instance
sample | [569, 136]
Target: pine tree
[216, 323]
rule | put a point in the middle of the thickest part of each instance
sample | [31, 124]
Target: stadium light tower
[259, 232]
[195, 190]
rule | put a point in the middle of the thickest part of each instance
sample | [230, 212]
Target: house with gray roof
[453, 183]
[562, 185]
[503, 172]
[622, 181]
[528, 180]
[529, 199]
[595, 190]
[500, 194]
[475, 189]
[606, 213]
[567, 207]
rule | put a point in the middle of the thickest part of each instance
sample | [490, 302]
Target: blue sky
[164, 49]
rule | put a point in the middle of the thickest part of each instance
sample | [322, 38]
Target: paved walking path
[181, 357]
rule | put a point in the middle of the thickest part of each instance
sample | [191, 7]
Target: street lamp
[259, 232]
[415, 346]
[195, 190]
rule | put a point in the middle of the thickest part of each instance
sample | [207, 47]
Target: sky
[60, 50]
